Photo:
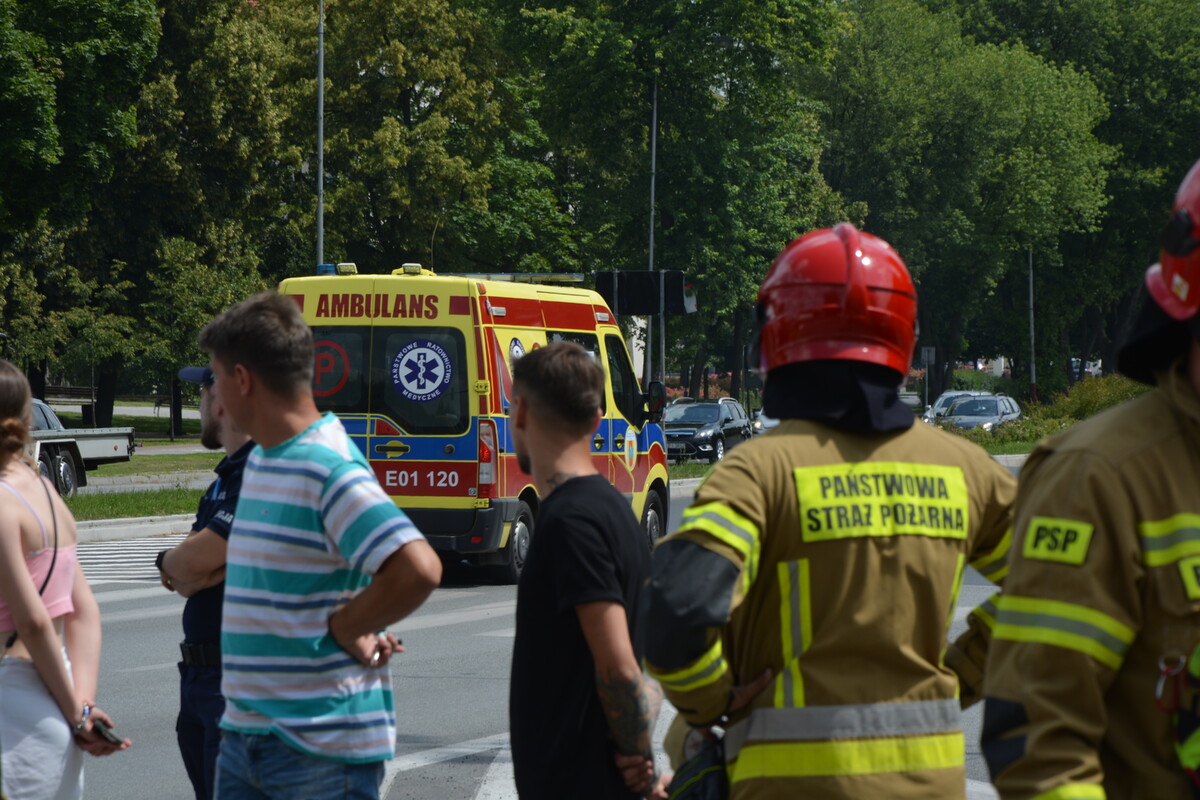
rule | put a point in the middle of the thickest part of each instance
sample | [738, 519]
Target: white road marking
[978, 790]
[509, 632]
[498, 780]
[438, 755]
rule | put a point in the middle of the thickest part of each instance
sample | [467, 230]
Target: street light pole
[320, 132]
[649, 349]
[1032, 360]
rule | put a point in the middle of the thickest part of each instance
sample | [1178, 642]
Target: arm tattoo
[631, 708]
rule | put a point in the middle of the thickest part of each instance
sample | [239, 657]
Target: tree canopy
[158, 159]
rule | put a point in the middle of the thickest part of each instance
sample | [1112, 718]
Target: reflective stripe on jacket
[1102, 585]
[835, 560]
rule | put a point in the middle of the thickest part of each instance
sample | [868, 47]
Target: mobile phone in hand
[106, 732]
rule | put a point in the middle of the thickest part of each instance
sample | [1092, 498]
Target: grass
[144, 462]
[688, 469]
[142, 426]
[120, 505]
[1009, 448]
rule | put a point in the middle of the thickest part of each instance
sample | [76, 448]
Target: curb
[101, 530]
[169, 479]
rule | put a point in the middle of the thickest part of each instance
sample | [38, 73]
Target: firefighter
[1087, 676]
[828, 553]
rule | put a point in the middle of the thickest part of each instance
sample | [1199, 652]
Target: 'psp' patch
[422, 370]
[1063, 540]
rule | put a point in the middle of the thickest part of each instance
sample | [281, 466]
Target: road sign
[928, 354]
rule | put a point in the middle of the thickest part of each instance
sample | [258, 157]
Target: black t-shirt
[587, 546]
[202, 614]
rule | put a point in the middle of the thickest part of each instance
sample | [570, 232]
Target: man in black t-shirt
[196, 569]
[577, 696]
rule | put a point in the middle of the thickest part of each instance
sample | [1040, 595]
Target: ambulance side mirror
[656, 400]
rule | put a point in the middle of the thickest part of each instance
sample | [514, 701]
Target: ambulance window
[339, 363]
[625, 389]
[419, 379]
[589, 342]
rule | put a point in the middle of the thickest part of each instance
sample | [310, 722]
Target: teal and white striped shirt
[312, 525]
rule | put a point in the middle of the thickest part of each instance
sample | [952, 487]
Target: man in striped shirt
[320, 562]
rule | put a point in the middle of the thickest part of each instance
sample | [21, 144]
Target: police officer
[828, 553]
[195, 568]
[1102, 605]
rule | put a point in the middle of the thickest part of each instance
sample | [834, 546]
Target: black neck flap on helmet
[852, 396]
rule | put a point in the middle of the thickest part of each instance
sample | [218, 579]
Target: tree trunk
[739, 353]
[1126, 315]
[37, 379]
[106, 394]
[698, 369]
[176, 426]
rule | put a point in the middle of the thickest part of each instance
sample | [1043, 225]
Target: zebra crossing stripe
[123, 560]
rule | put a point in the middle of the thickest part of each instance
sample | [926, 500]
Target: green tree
[411, 119]
[1145, 60]
[737, 144]
[69, 71]
[965, 154]
[196, 192]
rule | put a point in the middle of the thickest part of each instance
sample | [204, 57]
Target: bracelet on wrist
[87, 712]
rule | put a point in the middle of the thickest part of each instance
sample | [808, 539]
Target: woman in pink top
[48, 670]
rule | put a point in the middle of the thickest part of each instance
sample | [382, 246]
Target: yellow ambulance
[418, 366]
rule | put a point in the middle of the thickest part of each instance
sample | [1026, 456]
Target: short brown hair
[268, 336]
[564, 381]
[15, 401]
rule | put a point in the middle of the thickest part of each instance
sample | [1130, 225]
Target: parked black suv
[703, 429]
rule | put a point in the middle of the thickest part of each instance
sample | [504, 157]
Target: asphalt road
[451, 684]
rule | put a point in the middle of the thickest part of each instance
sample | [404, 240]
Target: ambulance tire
[653, 519]
[517, 549]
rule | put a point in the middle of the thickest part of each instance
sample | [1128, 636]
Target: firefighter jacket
[833, 559]
[1104, 585]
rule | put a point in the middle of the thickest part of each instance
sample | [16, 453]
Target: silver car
[986, 412]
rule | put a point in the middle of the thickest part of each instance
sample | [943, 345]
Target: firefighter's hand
[638, 773]
[659, 790]
[742, 696]
[636, 770]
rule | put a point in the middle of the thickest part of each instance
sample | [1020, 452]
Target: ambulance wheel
[517, 549]
[652, 519]
[718, 451]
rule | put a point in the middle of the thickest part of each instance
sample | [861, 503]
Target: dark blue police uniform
[200, 702]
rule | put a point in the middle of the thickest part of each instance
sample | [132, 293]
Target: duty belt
[200, 655]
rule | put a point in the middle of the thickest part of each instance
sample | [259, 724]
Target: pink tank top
[57, 595]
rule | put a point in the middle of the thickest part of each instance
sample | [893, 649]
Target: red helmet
[1174, 282]
[837, 294]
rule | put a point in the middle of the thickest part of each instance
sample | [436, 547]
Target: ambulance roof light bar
[412, 269]
[344, 268]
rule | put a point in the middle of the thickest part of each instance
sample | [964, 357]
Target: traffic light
[644, 292]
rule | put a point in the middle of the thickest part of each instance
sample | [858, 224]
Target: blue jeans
[262, 767]
[198, 728]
